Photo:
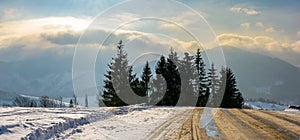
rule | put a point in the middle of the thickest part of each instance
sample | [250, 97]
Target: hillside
[263, 76]
[257, 76]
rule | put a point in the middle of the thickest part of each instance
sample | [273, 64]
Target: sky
[32, 28]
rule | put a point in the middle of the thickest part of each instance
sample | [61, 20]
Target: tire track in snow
[169, 126]
[288, 118]
[264, 131]
[229, 124]
[289, 133]
[190, 128]
[207, 121]
[199, 125]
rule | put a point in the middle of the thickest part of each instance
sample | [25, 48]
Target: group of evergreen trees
[176, 81]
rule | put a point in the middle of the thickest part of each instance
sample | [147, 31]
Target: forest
[175, 82]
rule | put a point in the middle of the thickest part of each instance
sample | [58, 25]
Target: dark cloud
[62, 38]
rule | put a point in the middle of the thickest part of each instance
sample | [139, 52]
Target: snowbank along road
[152, 123]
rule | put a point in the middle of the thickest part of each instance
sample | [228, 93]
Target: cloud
[32, 29]
[270, 30]
[298, 33]
[235, 9]
[235, 40]
[8, 14]
[259, 24]
[250, 11]
[246, 11]
[245, 25]
[263, 44]
[296, 46]
[262, 27]
[33, 38]
[27, 39]
[62, 38]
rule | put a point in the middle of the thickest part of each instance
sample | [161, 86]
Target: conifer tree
[147, 74]
[213, 85]
[135, 86]
[171, 74]
[202, 81]
[232, 97]
[158, 89]
[33, 104]
[158, 84]
[75, 100]
[188, 79]
[173, 56]
[115, 83]
[71, 103]
[86, 101]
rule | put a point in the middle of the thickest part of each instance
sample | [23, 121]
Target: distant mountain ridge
[257, 76]
[263, 76]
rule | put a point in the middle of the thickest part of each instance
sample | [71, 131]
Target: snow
[257, 105]
[42, 123]
[130, 122]
[225, 110]
[292, 110]
[207, 122]
[136, 124]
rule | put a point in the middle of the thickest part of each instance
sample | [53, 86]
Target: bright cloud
[259, 24]
[245, 25]
[59, 35]
[270, 30]
[15, 31]
[265, 44]
[296, 46]
[262, 43]
[31, 38]
[246, 11]
[60, 32]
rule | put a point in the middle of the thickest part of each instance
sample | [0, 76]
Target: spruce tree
[135, 86]
[33, 104]
[188, 79]
[71, 103]
[232, 97]
[201, 81]
[115, 83]
[173, 56]
[213, 85]
[86, 101]
[159, 85]
[158, 89]
[147, 74]
[75, 100]
[171, 74]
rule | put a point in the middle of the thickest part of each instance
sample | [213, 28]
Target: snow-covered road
[140, 122]
[138, 125]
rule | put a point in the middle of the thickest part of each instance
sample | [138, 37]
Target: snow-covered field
[132, 122]
[42, 123]
[257, 105]
[141, 122]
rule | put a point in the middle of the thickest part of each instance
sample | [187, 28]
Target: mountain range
[257, 76]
